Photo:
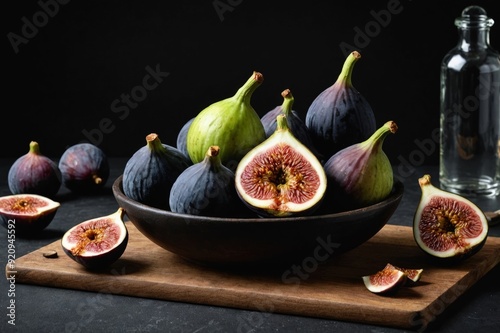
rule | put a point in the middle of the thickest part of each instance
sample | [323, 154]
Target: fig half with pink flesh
[446, 226]
[27, 213]
[98, 242]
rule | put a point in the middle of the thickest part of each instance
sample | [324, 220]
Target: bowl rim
[396, 195]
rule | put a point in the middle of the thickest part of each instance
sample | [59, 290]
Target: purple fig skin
[84, 168]
[206, 189]
[34, 173]
[340, 116]
[361, 174]
[295, 123]
[151, 171]
[181, 142]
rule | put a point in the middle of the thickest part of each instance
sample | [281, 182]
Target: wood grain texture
[312, 286]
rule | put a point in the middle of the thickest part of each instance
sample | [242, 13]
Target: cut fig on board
[447, 226]
[413, 274]
[387, 280]
[98, 242]
[27, 213]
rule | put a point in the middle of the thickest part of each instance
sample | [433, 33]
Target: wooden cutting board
[313, 286]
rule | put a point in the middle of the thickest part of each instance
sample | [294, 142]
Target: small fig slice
[34, 173]
[84, 168]
[446, 225]
[98, 242]
[387, 280]
[281, 177]
[27, 213]
[413, 274]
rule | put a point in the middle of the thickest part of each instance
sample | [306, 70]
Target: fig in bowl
[257, 240]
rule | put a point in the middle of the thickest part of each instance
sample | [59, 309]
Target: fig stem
[346, 73]
[154, 143]
[281, 123]
[213, 151]
[245, 92]
[34, 148]
[424, 180]
[378, 137]
[288, 100]
[212, 158]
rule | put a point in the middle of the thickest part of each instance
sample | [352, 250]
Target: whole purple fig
[206, 189]
[340, 116]
[84, 168]
[34, 173]
[150, 172]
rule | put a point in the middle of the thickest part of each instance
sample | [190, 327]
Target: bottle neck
[471, 39]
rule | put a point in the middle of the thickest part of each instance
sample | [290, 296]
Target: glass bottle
[470, 110]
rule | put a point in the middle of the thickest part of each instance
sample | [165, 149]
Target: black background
[64, 79]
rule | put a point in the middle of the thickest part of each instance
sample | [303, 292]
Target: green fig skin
[340, 115]
[231, 123]
[361, 174]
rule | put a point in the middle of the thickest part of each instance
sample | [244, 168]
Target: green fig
[340, 115]
[361, 174]
[232, 124]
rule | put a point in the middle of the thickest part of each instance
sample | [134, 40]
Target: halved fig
[446, 225]
[27, 213]
[281, 177]
[98, 242]
[387, 280]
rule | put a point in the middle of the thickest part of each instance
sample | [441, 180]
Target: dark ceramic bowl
[210, 240]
